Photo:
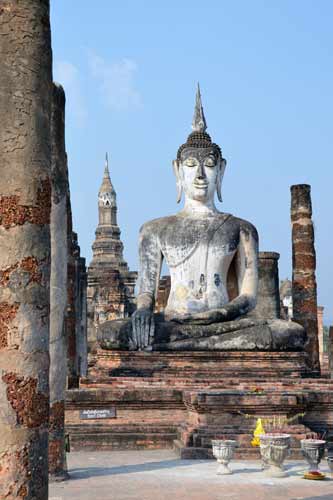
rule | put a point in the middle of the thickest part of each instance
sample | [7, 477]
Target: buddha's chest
[200, 248]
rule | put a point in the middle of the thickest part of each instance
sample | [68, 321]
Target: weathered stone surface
[150, 409]
[76, 320]
[58, 286]
[25, 204]
[233, 414]
[242, 335]
[304, 286]
[172, 368]
[268, 296]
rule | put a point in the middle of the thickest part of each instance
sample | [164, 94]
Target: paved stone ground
[159, 475]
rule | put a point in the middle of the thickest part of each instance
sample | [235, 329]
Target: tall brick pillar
[25, 205]
[304, 286]
[58, 289]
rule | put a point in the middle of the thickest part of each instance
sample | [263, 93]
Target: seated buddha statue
[205, 251]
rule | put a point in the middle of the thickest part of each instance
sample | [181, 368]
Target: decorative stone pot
[223, 450]
[313, 451]
[274, 449]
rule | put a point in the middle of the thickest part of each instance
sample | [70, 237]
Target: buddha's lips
[200, 185]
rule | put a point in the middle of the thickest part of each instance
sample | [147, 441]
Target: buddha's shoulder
[154, 226]
[243, 225]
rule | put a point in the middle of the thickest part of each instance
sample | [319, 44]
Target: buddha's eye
[210, 162]
[190, 162]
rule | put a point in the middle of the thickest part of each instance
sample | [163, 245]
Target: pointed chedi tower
[110, 292]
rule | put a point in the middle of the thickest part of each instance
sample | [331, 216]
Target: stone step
[193, 383]
[103, 438]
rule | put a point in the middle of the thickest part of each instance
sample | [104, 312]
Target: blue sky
[130, 69]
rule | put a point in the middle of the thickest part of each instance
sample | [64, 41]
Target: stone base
[145, 417]
[185, 400]
[196, 365]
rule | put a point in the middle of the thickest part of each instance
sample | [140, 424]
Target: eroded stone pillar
[268, 298]
[304, 286]
[58, 288]
[25, 204]
[76, 320]
[71, 302]
[80, 310]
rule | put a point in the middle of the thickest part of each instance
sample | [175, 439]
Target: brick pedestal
[161, 400]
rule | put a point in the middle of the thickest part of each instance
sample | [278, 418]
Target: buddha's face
[199, 173]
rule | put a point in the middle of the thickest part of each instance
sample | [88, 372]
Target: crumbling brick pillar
[58, 288]
[304, 286]
[25, 205]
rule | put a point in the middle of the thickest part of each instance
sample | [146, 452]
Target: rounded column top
[301, 199]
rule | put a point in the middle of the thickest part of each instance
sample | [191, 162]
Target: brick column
[304, 286]
[25, 205]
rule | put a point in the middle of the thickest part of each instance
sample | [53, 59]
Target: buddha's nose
[200, 172]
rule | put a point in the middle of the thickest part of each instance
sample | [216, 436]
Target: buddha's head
[199, 166]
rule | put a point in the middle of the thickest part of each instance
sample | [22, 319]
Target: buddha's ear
[176, 167]
[219, 178]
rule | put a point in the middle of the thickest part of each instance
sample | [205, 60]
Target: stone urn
[313, 451]
[223, 450]
[274, 449]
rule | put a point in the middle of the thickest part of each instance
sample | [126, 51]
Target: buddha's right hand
[143, 327]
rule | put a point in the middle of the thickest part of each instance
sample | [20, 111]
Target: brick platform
[184, 400]
[196, 365]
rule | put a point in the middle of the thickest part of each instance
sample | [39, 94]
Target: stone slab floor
[159, 475]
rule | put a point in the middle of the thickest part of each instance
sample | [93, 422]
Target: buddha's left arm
[247, 273]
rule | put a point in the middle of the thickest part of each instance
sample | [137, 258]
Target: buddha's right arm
[150, 262]
[150, 256]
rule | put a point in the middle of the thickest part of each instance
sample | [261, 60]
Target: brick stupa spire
[108, 247]
[110, 293]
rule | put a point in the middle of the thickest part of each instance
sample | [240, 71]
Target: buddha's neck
[198, 207]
